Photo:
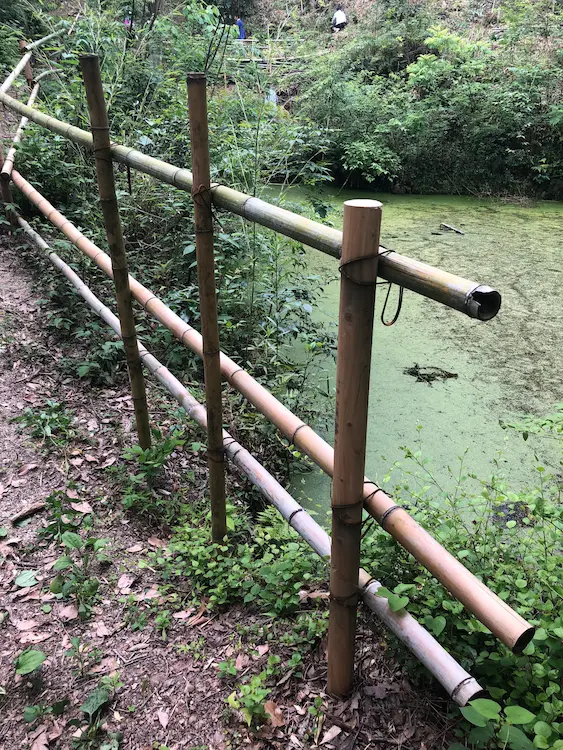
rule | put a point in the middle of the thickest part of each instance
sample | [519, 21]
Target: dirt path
[144, 664]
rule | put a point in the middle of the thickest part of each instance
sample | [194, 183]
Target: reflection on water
[510, 365]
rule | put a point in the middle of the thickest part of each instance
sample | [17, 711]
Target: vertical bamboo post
[7, 197]
[27, 69]
[99, 123]
[203, 218]
[360, 247]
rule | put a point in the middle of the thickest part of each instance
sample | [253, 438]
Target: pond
[505, 367]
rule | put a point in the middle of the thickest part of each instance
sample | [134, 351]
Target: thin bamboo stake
[203, 218]
[11, 155]
[27, 69]
[99, 123]
[503, 621]
[360, 248]
[458, 683]
[475, 300]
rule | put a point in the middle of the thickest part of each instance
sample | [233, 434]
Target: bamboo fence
[460, 686]
[475, 300]
[498, 616]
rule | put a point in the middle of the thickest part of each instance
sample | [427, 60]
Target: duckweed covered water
[508, 366]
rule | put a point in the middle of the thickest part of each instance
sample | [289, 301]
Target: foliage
[410, 105]
[75, 576]
[266, 569]
[52, 422]
[512, 541]
[61, 517]
[29, 661]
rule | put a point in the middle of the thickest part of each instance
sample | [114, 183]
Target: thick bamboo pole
[475, 300]
[457, 682]
[89, 64]
[358, 274]
[11, 155]
[203, 220]
[506, 624]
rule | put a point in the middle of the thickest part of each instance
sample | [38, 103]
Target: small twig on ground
[31, 510]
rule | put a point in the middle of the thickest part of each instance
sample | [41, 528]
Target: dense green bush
[511, 541]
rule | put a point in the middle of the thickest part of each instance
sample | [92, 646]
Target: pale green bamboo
[44, 39]
[475, 300]
[15, 73]
[11, 155]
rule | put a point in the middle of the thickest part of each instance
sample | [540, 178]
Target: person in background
[240, 24]
[339, 20]
[127, 22]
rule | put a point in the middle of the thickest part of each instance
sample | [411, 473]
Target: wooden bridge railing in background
[473, 299]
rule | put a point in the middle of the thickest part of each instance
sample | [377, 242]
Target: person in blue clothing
[240, 24]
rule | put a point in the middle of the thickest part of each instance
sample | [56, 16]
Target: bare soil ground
[165, 692]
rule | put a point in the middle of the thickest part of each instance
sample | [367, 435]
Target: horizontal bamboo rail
[11, 155]
[506, 624]
[15, 73]
[461, 687]
[44, 39]
[475, 300]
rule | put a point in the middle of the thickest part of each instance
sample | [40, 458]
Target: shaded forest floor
[146, 656]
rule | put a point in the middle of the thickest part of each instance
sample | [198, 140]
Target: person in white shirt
[339, 20]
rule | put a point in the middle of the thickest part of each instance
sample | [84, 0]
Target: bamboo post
[360, 248]
[7, 198]
[99, 124]
[27, 69]
[203, 217]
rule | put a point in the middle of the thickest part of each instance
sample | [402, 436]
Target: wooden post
[99, 123]
[360, 247]
[203, 217]
[27, 69]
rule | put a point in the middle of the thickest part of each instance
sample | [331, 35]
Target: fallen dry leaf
[40, 739]
[70, 612]
[377, 691]
[26, 469]
[90, 458]
[26, 624]
[263, 649]
[330, 734]
[241, 661]
[304, 595]
[163, 718]
[274, 713]
[125, 581]
[108, 664]
[76, 461]
[35, 637]
[135, 548]
[82, 507]
[72, 494]
[184, 615]
[100, 629]
[156, 542]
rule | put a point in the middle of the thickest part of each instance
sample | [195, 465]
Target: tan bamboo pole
[89, 64]
[11, 155]
[203, 220]
[503, 621]
[460, 686]
[27, 69]
[358, 274]
[469, 297]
